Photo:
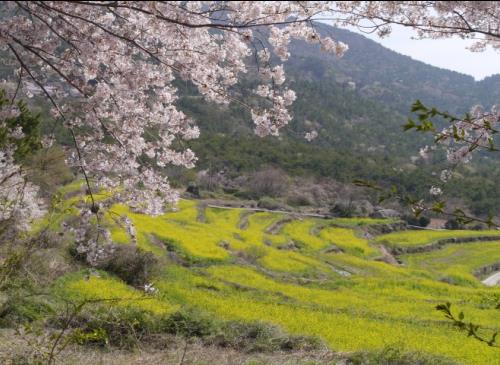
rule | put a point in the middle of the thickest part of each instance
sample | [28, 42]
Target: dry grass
[168, 350]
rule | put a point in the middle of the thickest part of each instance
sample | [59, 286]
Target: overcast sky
[445, 53]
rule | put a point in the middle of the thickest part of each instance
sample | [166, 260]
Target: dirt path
[492, 280]
[387, 257]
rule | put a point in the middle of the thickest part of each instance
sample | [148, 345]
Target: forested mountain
[359, 101]
[391, 78]
[358, 105]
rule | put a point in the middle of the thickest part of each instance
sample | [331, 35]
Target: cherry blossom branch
[42, 87]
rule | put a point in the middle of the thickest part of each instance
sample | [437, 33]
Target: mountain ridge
[368, 62]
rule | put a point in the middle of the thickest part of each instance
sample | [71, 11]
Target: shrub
[193, 189]
[453, 224]
[271, 204]
[96, 336]
[268, 182]
[479, 227]
[189, 324]
[424, 221]
[131, 264]
[21, 306]
[244, 194]
[123, 327]
[414, 221]
[126, 327]
[299, 199]
[260, 337]
[343, 210]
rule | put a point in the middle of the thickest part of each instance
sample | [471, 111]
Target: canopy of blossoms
[120, 61]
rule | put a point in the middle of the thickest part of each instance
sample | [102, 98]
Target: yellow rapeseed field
[310, 276]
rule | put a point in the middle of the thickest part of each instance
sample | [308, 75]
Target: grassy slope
[423, 237]
[289, 278]
[457, 261]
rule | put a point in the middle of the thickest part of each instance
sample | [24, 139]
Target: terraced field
[457, 263]
[310, 276]
[405, 239]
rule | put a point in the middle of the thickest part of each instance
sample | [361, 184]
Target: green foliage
[254, 253]
[453, 224]
[30, 125]
[360, 131]
[424, 221]
[96, 336]
[48, 170]
[426, 123]
[421, 221]
[123, 327]
[20, 306]
[237, 155]
[342, 210]
[189, 324]
[271, 204]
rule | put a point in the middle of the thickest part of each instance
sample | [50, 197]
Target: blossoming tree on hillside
[121, 60]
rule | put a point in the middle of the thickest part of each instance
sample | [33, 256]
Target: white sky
[445, 53]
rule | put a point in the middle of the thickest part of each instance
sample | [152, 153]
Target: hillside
[391, 78]
[325, 279]
[360, 128]
[386, 83]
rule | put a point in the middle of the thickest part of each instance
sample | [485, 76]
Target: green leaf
[438, 207]
[418, 106]
[441, 307]
[410, 125]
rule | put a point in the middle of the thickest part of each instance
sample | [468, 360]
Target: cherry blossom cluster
[435, 190]
[472, 133]
[93, 242]
[309, 136]
[462, 138]
[474, 20]
[150, 289]
[123, 59]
